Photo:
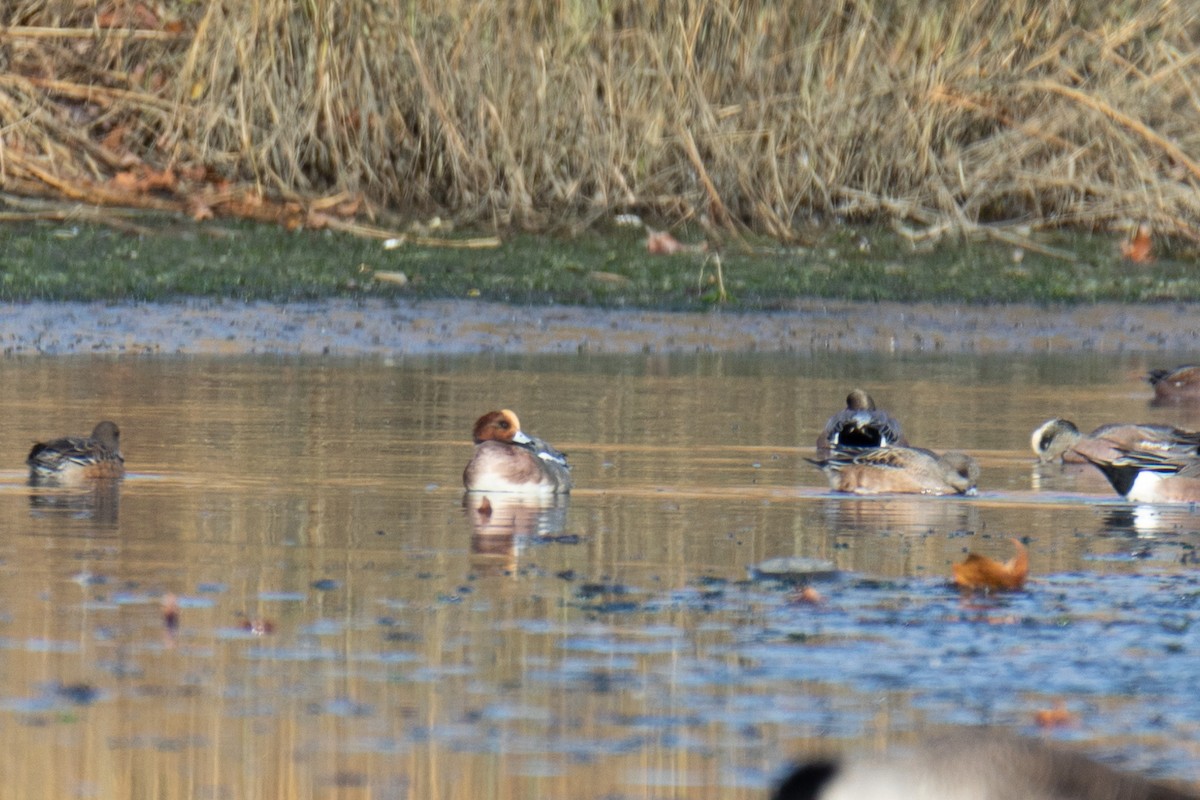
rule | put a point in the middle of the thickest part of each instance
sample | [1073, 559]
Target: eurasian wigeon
[1153, 477]
[78, 457]
[1059, 440]
[899, 470]
[860, 424]
[509, 460]
[1181, 384]
[973, 763]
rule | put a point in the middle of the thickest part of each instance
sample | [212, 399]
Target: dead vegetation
[761, 116]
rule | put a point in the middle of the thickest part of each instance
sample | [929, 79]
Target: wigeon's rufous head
[509, 460]
[499, 426]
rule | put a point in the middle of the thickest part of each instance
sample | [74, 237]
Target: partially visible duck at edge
[74, 458]
[509, 460]
[1059, 440]
[1153, 477]
[899, 470]
[1179, 385]
[860, 424]
[973, 763]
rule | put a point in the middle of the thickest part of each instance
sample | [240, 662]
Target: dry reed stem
[34, 32]
[1142, 130]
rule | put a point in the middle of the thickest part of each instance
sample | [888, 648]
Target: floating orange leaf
[1138, 248]
[978, 572]
[807, 596]
[1056, 717]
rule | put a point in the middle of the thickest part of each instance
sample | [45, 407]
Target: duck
[899, 470]
[509, 460]
[977, 763]
[73, 458]
[860, 424]
[1060, 440]
[1181, 384]
[1145, 476]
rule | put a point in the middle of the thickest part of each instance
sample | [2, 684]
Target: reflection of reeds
[757, 113]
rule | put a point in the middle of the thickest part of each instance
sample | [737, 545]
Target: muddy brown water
[612, 645]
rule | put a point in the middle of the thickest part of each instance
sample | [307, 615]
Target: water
[347, 626]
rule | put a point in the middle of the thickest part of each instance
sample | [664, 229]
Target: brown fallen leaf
[980, 573]
[114, 139]
[807, 596]
[141, 179]
[1138, 248]
[199, 211]
[1057, 717]
[663, 243]
[316, 220]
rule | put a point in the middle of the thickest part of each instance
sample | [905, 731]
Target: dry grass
[738, 115]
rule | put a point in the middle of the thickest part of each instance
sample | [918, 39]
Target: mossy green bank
[606, 268]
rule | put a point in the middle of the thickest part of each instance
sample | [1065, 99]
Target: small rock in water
[794, 569]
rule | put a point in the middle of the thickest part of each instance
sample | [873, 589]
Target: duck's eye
[503, 425]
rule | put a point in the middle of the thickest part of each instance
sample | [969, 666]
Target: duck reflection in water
[99, 501]
[975, 763]
[915, 514]
[502, 523]
[1151, 520]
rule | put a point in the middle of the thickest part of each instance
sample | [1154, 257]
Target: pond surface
[346, 626]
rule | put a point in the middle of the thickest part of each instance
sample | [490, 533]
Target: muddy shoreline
[452, 327]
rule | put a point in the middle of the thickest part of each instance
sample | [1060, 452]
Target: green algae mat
[607, 268]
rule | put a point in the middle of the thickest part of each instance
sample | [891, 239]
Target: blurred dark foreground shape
[975, 764]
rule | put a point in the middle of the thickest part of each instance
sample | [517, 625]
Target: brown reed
[739, 115]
